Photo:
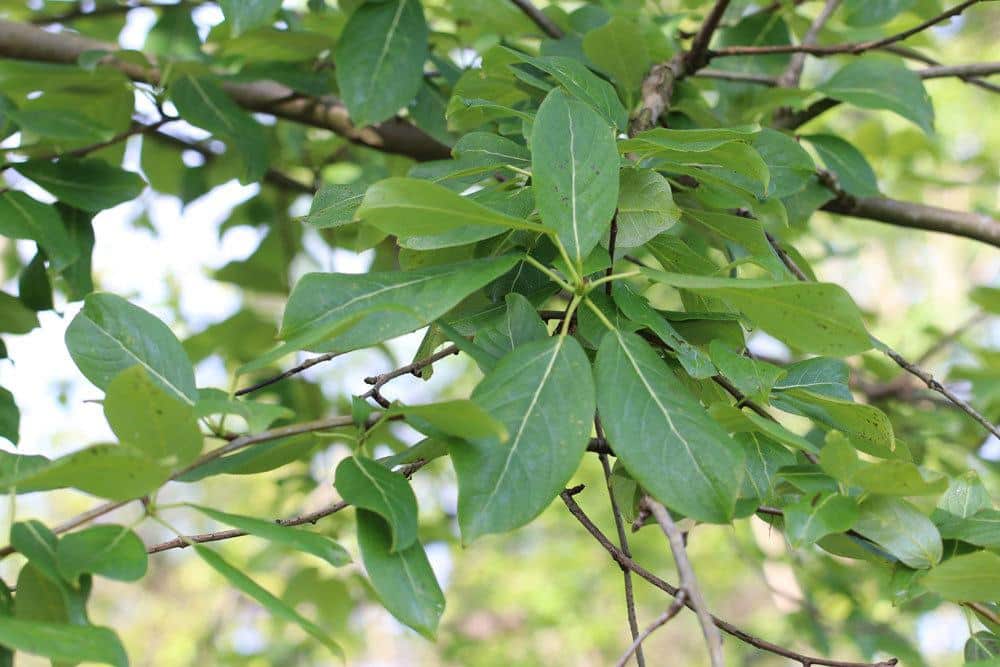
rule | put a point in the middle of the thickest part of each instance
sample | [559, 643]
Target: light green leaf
[243, 15]
[459, 419]
[972, 577]
[519, 325]
[789, 165]
[813, 518]
[92, 184]
[257, 415]
[981, 529]
[847, 163]
[689, 141]
[387, 304]
[275, 606]
[10, 417]
[764, 457]
[574, 164]
[814, 317]
[543, 393]
[965, 496]
[22, 217]
[403, 579]
[584, 85]
[111, 551]
[36, 542]
[485, 149]
[15, 317]
[60, 125]
[878, 83]
[150, 420]
[106, 471]
[335, 205]
[371, 486]
[305, 541]
[662, 435]
[867, 426]
[901, 529]
[752, 377]
[63, 642]
[820, 375]
[616, 48]
[646, 207]
[380, 59]
[110, 335]
[865, 14]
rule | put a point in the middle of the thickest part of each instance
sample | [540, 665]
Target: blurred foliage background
[215, 260]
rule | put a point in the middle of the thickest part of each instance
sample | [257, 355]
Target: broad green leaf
[380, 59]
[646, 207]
[615, 48]
[879, 83]
[574, 165]
[335, 205]
[585, 86]
[110, 335]
[202, 102]
[150, 420]
[409, 207]
[764, 457]
[44, 597]
[89, 184]
[305, 541]
[243, 15]
[107, 471]
[752, 377]
[820, 375]
[36, 542]
[736, 420]
[897, 478]
[257, 415]
[33, 285]
[965, 496]
[847, 163]
[266, 599]
[662, 435]
[868, 427]
[814, 317]
[972, 577]
[745, 232]
[22, 217]
[813, 518]
[371, 486]
[901, 529]
[10, 417]
[111, 551]
[15, 317]
[982, 646]
[690, 141]
[386, 304]
[865, 14]
[60, 125]
[459, 418]
[519, 325]
[543, 393]
[788, 164]
[486, 149]
[403, 579]
[270, 46]
[62, 642]
[981, 529]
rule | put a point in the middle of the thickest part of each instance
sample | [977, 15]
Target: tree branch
[294, 370]
[697, 56]
[660, 621]
[23, 41]
[790, 77]
[689, 582]
[540, 19]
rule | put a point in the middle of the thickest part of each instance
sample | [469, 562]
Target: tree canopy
[541, 302]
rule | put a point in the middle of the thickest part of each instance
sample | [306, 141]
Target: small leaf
[36, 542]
[877, 83]
[10, 417]
[460, 419]
[335, 205]
[275, 606]
[107, 471]
[616, 49]
[646, 207]
[520, 325]
[257, 415]
[584, 85]
[965, 496]
[491, 150]
[243, 15]
[813, 518]
[574, 165]
[972, 577]
[789, 165]
[403, 579]
[111, 551]
[981, 529]
[110, 335]
[752, 377]
[22, 217]
[371, 486]
[380, 59]
[63, 643]
[847, 163]
[901, 529]
[819, 375]
[305, 541]
[92, 184]
[15, 317]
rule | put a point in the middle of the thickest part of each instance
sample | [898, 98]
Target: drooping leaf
[22, 217]
[111, 551]
[662, 435]
[574, 164]
[880, 83]
[380, 59]
[542, 392]
[15, 317]
[89, 184]
[371, 486]
[110, 335]
[63, 642]
[403, 579]
[107, 471]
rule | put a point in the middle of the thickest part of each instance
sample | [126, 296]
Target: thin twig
[660, 621]
[378, 381]
[790, 77]
[689, 582]
[951, 337]
[725, 626]
[697, 56]
[540, 19]
[308, 363]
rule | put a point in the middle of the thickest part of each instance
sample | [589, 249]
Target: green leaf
[972, 577]
[202, 102]
[813, 518]
[764, 457]
[111, 335]
[877, 83]
[106, 471]
[662, 435]
[865, 14]
[409, 207]
[897, 478]
[867, 426]
[847, 163]
[15, 317]
[574, 165]
[813, 317]
[258, 416]
[820, 375]
[10, 417]
[615, 48]
[33, 285]
[543, 393]
[60, 125]
[485, 149]
[151, 420]
[965, 496]
[901, 529]
[788, 164]
[752, 377]
[335, 205]
[275, 606]
[111, 551]
[745, 232]
[305, 541]
[22, 217]
[371, 486]
[243, 15]
[584, 85]
[460, 419]
[982, 646]
[519, 325]
[92, 184]
[63, 643]
[403, 579]
[36, 542]
[646, 207]
[689, 141]
[386, 304]
[981, 529]
[380, 59]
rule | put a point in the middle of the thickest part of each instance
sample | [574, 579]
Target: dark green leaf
[847, 163]
[22, 217]
[373, 487]
[92, 184]
[877, 83]
[10, 417]
[616, 48]
[63, 643]
[520, 325]
[15, 317]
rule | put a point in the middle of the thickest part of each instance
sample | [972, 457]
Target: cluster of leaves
[530, 249]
